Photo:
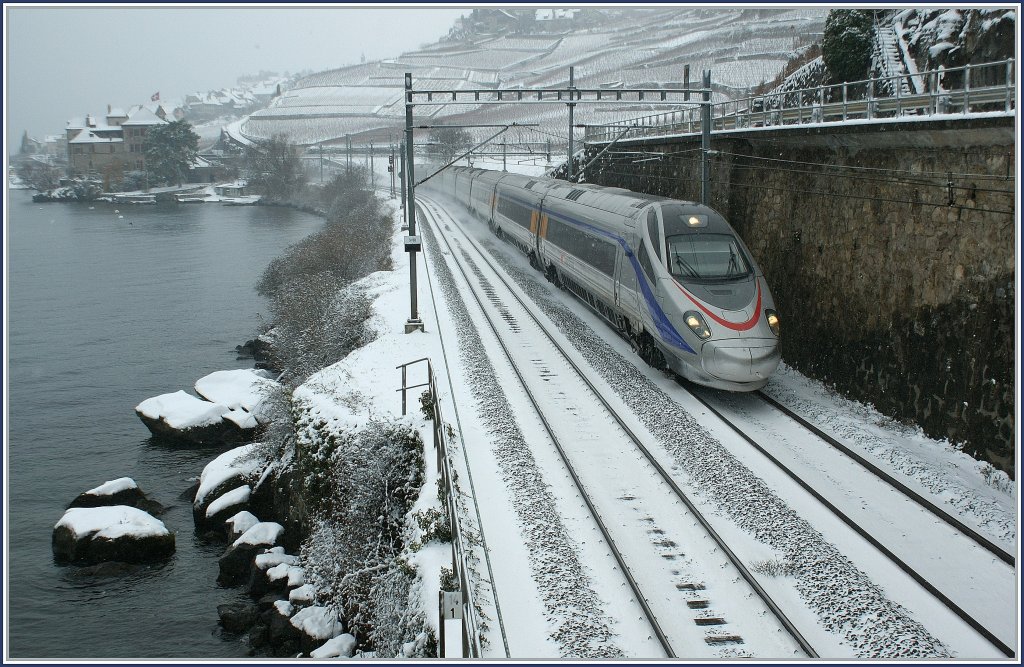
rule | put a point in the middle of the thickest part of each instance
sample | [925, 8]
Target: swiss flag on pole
[155, 97]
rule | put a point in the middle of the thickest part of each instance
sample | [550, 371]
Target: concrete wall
[892, 287]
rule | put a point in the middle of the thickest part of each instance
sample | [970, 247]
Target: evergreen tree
[27, 145]
[846, 44]
[170, 150]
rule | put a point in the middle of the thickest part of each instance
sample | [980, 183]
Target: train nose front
[741, 360]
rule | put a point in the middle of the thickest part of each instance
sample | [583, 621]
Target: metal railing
[957, 90]
[452, 605]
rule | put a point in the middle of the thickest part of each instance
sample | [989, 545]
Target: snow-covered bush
[318, 322]
[317, 315]
[434, 524]
[360, 483]
[427, 405]
[132, 180]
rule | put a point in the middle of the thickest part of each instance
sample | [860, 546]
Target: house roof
[90, 137]
[143, 116]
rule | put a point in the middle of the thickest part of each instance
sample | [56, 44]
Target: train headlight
[697, 325]
[773, 321]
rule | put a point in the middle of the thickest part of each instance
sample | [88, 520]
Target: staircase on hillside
[888, 59]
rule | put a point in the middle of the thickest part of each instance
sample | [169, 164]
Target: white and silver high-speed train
[672, 275]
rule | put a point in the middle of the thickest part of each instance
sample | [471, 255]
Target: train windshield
[716, 257]
[695, 253]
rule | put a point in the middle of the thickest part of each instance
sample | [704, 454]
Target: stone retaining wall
[890, 250]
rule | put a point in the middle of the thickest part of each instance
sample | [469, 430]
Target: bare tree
[450, 142]
[274, 168]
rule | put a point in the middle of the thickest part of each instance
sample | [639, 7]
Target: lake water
[107, 308]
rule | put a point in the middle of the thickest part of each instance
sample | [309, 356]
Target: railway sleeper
[709, 621]
[723, 639]
[690, 587]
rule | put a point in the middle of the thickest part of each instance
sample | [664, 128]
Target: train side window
[652, 232]
[627, 276]
[645, 262]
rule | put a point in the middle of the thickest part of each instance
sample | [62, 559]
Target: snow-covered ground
[513, 581]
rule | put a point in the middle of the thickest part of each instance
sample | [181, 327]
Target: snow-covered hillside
[610, 48]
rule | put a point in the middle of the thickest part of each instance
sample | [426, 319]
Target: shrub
[317, 316]
[448, 582]
[361, 485]
[434, 524]
[427, 405]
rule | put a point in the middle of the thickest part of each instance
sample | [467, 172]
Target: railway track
[964, 604]
[654, 553]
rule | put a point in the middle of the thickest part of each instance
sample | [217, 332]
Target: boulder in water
[239, 523]
[242, 389]
[237, 561]
[239, 467]
[238, 618]
[184, 417]
[121, 491]
[117, 533]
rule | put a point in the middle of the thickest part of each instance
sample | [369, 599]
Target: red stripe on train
[735, 326]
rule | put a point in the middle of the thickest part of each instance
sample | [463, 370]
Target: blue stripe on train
[668, 333]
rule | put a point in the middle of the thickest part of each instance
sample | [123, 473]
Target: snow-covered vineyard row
[623, 48]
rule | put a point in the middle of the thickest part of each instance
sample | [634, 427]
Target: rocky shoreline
[245, 498]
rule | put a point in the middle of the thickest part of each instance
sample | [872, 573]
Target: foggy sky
[64, 62]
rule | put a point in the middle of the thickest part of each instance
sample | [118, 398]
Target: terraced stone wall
[890, 250]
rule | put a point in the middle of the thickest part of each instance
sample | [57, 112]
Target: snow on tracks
[581, 627]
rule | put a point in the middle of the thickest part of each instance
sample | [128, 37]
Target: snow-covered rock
[237, 561]
[120, 533]
[231, 503]
[244, 421]
[274, 556]
[281, 632]
[316, 624]
[272, 572]
[230, 471]
[121, 491]
[184, 417]
[342, 646]
[239, 523]
[291, 575]
[264, 533]
[243, 389]
[303, 595]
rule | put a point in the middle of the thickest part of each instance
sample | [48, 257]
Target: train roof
[614, 200]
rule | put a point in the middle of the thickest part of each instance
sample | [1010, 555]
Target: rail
[989, 87]
[748, 577]
[457, 610]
